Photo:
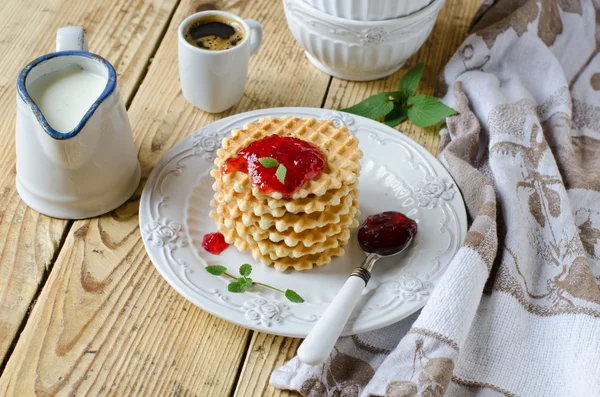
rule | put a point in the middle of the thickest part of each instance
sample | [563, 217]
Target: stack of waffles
[310, 227]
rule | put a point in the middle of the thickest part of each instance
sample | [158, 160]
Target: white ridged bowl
[356, 50]
[368, 10]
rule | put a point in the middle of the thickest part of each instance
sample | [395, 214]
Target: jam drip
[386, 233]
[303, 161]
[214, 243]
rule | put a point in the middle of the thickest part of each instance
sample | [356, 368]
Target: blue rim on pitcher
[108, 89]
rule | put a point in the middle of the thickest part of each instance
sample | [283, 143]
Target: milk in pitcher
[65, 95]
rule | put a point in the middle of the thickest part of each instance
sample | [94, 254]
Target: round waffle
[280, 250]
[246, 202]
[307, 237]
[337, 145]
[297, 222]
[281, 264]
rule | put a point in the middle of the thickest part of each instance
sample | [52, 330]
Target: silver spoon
[381, 235]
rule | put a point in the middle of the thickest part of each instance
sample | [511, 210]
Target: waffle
[297, 222]
[280, 250]
[302, 231]
[281, 264]
[246, 202]
[307, 237]
[337, 145]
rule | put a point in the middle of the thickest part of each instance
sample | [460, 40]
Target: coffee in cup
[214, 33]
[214, 48]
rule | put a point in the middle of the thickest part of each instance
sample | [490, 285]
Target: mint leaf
[396, 116]
[245, 270]
[395, 96]
[280, 173]
[425, 110]
[268, 162]
[374, 107]
[216, 270]
[293, 296]
[410, 81]
[244, 282]
[235, 286]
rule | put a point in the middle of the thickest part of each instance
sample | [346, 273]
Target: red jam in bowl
[302, 160]
[214, 243]
[386, 233]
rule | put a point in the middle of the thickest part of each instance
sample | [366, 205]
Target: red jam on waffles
[214, 243]
[386, 233]
[303, 161]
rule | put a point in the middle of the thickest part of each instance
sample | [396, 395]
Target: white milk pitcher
[75, 152]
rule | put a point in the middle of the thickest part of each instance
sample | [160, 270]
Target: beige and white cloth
[517, 313]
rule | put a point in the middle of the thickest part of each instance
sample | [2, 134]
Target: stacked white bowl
[361, 39]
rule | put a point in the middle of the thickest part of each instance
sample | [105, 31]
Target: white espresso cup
[214, 80]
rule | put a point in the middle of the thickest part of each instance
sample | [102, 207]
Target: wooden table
[82, 309]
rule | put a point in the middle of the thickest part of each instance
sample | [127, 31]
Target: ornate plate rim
[321, 113]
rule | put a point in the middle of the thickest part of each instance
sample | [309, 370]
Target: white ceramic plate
[397, 174]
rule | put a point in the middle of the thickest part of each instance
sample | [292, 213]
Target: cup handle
[256, 34]
[70, 38]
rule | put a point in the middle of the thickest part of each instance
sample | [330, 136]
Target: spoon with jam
[381, 235]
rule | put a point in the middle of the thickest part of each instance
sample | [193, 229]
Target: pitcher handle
[69, 38]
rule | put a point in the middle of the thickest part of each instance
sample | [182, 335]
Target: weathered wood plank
[126, 33]
[106, 322]
[267, 352]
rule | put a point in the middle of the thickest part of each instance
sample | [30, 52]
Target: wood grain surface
[105, 322]
[126, 33]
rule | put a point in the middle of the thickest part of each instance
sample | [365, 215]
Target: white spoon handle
[318, 344]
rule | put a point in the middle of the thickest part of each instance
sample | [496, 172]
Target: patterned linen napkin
[517, 312]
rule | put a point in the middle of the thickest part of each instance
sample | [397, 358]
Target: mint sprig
[240, 284]
[392, 108]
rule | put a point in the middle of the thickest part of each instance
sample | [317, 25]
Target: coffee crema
[214, 33]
